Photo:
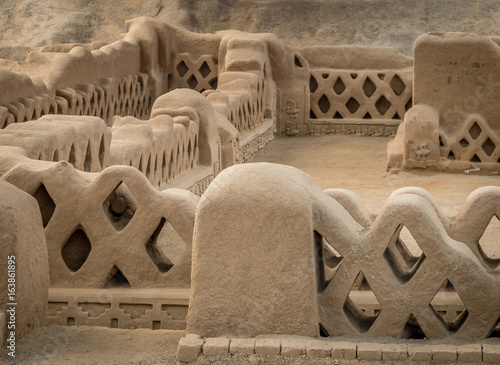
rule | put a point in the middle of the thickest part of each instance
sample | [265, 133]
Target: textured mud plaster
[254, 253]
[21, 235]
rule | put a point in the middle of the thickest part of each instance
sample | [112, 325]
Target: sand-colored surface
[388, 23]
[359, 164]
[354, 163]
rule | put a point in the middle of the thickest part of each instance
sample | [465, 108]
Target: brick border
[191, 346]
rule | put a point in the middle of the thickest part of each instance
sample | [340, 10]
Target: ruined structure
[118, 142]
[453, 125]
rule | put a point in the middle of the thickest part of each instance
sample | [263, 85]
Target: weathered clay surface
[359, 259]
[453, 124]
[371, 23]
[24, 262]
[266, 260]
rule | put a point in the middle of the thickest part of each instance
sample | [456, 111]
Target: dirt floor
[359, 164]
[355, 163]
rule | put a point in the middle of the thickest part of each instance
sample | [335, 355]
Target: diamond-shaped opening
[464, 143]
[213, 83]
[297, 62]
[328, 261]
[170, 243]
[189, 150]
[322, 331]
[76, 250]
[369, 87]
[324, 104]
[397, 85]
[204, 69]
[449, 307]
[313, 84]
[179, 158]
[403, 254]
[45, 203]
[116, 279]
[362, 307]
[488, 242]
[475, 131]
[72, 155]
[171, 171]
[182, 68]
[488, 146]
[192, 82]
[382, 105]
[332, 257]
[495, 332]
[87, 164]
[360, 283]
[352, 105]
[148, 167]
[102, 152]
[475, 158]
[337, 115]
[120, 206]
[140, 164]
[339, 86]
[412, 329]
[409, 104]
[155, 253]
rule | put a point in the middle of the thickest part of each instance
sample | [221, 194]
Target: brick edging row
[192, 346]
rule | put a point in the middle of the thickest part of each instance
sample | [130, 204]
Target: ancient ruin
[127, 200]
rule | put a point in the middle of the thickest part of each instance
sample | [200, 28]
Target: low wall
[330, 267]
[456, 85]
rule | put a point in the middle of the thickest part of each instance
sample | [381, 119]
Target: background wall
[393, 23]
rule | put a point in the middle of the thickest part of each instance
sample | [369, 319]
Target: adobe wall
[24, 278]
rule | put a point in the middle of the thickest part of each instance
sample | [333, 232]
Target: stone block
[267, 346]
[470, 353]
[189, 348]
[419, 352]
[244, 346]
[291, 347]
[370, 351]
[444, 353]
[317, 348]
[394, 352]
[344, 350]
[491, 353]
[216, 346]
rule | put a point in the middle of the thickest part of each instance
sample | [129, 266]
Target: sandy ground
[359, 164]
[355, 163]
